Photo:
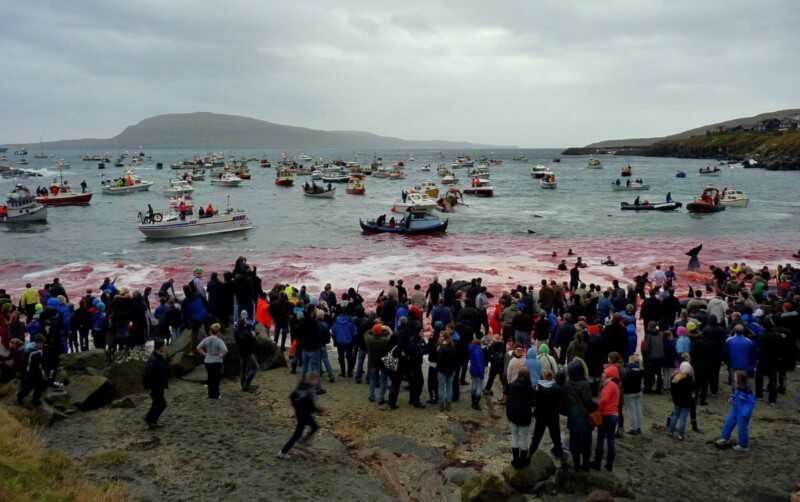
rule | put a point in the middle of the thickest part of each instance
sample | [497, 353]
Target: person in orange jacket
[262, 312]
[495, 319]
[608, 407]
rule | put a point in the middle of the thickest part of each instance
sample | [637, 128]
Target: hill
[213, 130]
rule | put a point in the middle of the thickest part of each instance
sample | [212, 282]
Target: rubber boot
[609, 462]
[441, 406]
[524, 458]
[695, 428]
[447, 406]
[515, 456]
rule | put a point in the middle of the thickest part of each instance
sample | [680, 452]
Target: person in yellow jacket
[28, 301]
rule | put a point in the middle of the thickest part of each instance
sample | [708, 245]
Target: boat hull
[285, 182]
[356, 191]
[327, 194]
[702, 208]
[139, 187]
[551, 186]
[231, 183]
[65, 200]
[661, 206]
[371, 228]
[35, 213]
[735, 203]
[177, 229]
[479, 191]
[625, 188]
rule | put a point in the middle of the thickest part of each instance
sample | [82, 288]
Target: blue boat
[680, 174]
[413, 223]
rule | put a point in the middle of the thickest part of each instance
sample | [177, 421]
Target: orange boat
[355, 186]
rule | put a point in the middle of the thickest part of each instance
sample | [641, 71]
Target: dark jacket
[303, 400]
[577, 398]
[632, 383]
[520, 402]
[681, 390]
[615, 339]
[447, 359]
[547, 400]
[156, 372]
[245, 339]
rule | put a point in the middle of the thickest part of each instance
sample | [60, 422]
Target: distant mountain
[213, 130]
[746, 122]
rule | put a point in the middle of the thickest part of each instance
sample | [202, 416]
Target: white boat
[520, 159]
[316, 174]
[734, 198]
[174, 226]
[479, 172]
[548, 181]
[480, 188]
[416, 200]
[426, 166]
[177, 187]
[442, 170]
[304, 158]
[226, 179]
[319, 191]
[593, 163]
[198, 174]
[128, 183]
[335, 175]
[21, 207]
[63, 164]
[428, 187]
[629, 185]
[538, 171]
[449, 179]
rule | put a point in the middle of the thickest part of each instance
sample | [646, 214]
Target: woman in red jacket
[609, 408]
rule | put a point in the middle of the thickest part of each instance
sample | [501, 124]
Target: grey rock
[90, 392]
[487, 487]
[458, 475]
[524, 480]
[402, 444]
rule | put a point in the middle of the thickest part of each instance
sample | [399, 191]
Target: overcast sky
[530, 73]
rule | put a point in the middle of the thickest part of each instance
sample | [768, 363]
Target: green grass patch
[111, 458]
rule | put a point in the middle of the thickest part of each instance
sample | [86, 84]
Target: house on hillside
[790, 123]
[769, 125]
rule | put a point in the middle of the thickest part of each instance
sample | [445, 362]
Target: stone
[126, 376]
[488, 487]
[524, 480]
[181, 344]
[458, 475]
[80, 361]
[45, 415]
[401, 444]
[125, 402]
[90, 392]
[182, 364]
[197, 375]
[599, 496]
[579, 482]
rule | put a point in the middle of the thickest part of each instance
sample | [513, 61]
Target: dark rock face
[525, 479]
[90, 392]
[487, 487]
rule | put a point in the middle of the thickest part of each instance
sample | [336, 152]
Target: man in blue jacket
[477, 368]
[344, 333]
[740, 352]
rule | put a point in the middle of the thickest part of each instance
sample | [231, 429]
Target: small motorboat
[177, 187]
[428, 187]
[680, 174]
[304, 158]
[646, 205]
[414, 200]
[159, 165]
[265, 163]
[480, 187]
[426, 166]
[197, 174]
[710, 171]
[62, 195]
[549, 181]
[594, 163]
[555, 159]
[21, 151]
[284, 178]
[734, 198]
[126, 184]
[521, 158]
[23, 161]
[708, 202]
[319, 191]
[538, 171]
[415, 222]
[355, 187]
[243, 173]
[449, 179]
[181, 203]
[226, 178]
[451, 199]
[189, 224]
[22, 207]
[335, 175]
[316, 174]
[101, 165]
[626, 171]
[629, 185]
[63, 164]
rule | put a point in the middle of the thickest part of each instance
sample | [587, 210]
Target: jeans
[174, 332]
[771, 372]
[494, 371]
[248, 370]
[523, 339]
[519, 435]
[445, 387]
[666, 376]
[346, 358]
[415, 383]
[311, 363]
[606, 434]
[376, 372]
[633, 408]
[433, 383]
[302, 422]
[281, 331]
[324, 360]
[678, 421]
[361, 355]
[580, 446]
[214, 371]
[476, 386]
[159, 404]
[122, 333]
[742, 425]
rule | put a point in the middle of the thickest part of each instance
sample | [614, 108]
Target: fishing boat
[319, 191]
[285, 178]
[197, 174]
[708, 202]
[442, 170]
[734, 197]
[538, 171]
[335, 175]
[415, 222]
[190, 224]
[21, 151]
[316, 174]
[226, 178]
[243, 172]
[549, 181]
[650, 206]
[480, 187]
[629, 185]
[22, 207]
[482, 171]
[426, 166]
[126, 184]
[416, 200]
[594, 163]
[61, 194]
[555, 159]
[355, 187]
[40, 155]
[680, 174]
[521, 158]
[181, 203]
[626, 171]
[177, 187]
[710, 171]
[428, 187]
[396, 175]
[101, 165]
[63, 164]
[450, 200]
[449, 179]
[265, 163]
[304, 158]
[23, 161]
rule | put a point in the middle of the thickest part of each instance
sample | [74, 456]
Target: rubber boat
[709, 202]
[451, 199]
[480, 187]
[538, 171]
[520, 159]
[226, 179]
[648, 206]
[417, 201]
[626, 171]
[355, 187]
[413, 223]
[319, 191]
[593, 163]
[174, 226]
[710, 171]
[127, 184]
[177, 187]
[21, 207]
[549, 181]
[734, 198]
[629, 185]
[680, 174]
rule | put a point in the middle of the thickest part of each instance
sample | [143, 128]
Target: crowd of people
[585, 352]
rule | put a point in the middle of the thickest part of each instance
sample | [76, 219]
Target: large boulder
[584, 483]
[81, 361]
[266, 354]
[126, 376]
[488, 487]
[90, 392]
[182, 363]
[540, 468]
[458, 475]
[181, 344]
[197, 375]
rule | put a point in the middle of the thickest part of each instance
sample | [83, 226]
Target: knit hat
[38, 307]
[438, 325]
[52, 302]
[682, 331]
[543, 349]
[691, 326]
[377, 329]
[243, 314]
[686, 368]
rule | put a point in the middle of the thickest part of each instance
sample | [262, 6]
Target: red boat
[62, 195]
[709, 202]
[284, 178]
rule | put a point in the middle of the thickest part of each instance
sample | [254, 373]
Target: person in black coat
[156, 380]
[651, 308]
[519, 415]
[33, 374]
[716, 332]
[705, 356]
[547, 403]
[578, 401]
[770, 347]
[615, 337]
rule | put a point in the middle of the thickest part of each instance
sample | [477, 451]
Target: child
[632, 390]
[681, 390]
[305, 406]
[742, 404]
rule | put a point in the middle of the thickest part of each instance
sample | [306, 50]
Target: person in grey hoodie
[577, 394]
[213, 350]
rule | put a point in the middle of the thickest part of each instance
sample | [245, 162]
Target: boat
[63, 164]
[480, 187]
[243, 172]
[520, 159]
[710, 171]
[482, 171]
[426, 166]
[316, 174]
[40, 155]
[126, 184]
[285, 178]
[448, 203]
[629, 185]
[415, 222]
[21, 151]
[626, 171]
[428, 187]
[414, 199]
[593, 163]
[734, 197]
[61, 194]
[178, 187]
[181, 203]
[355, 187]
[319, 191]
[680, 174]
[101, 165]
[23, 161]
[265, 163]
[538, 171]
[646, 205]
[396, 175]
[335, 175]
[197, 174]
[190, 224]
[449, 179]
[555, 159]
[22, 207]
[304, 158]
[708, 202]
[549, 181]
[226, 178]
[442, 170]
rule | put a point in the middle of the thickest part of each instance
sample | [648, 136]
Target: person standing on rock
[305, 406]
[547, 402]
[518, 412]
[245, 338]
[578, 395]
[33, 378]
[155, 379]
[477, 371]
[609, 409]
[213, 350]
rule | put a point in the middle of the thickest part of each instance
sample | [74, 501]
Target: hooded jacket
[609, 396]
[344, 331]
[520, 402]
[534, 365]
[477, 361]
[546, 361]
[740, 352]
[547, 400]
[577, 395]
